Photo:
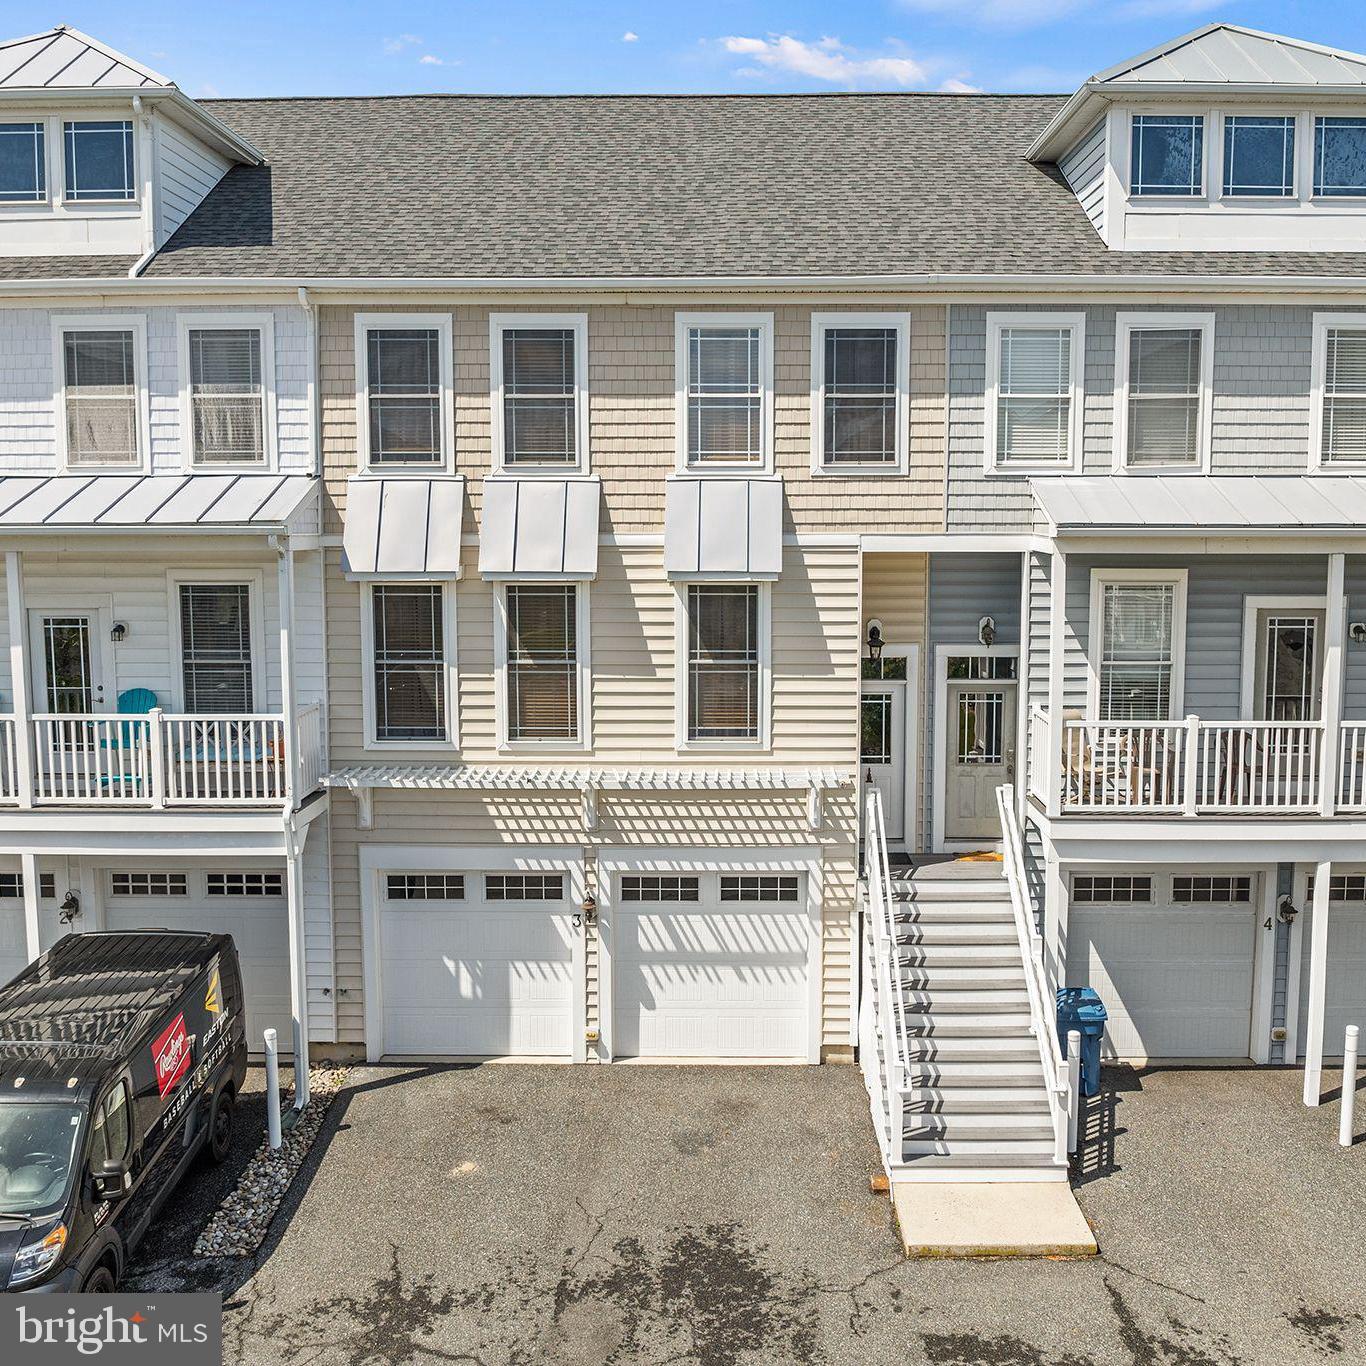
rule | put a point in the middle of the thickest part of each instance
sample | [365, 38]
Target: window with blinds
[409, 661]
[215, 644]
[403, 395]
[540, 397]
[1164, 396]
[860, 396]
[1136, 658]
[1034, 396]
[227, 397]
[725, 396]
[542, 662]
[723, 661]
[1343, 428]
[101, 397]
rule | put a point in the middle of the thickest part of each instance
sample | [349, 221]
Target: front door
[72, 679]
[1289, 682]
[978, 732]
[882, 751]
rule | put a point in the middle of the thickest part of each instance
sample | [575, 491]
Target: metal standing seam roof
[496, 776]
[1202, 503]
[112, 501]
[531, 528]
[406, 527]
[723, 527]
[66, 58]
[1232, 54]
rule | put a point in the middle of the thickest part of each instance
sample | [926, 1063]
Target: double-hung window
[540, 392]
[1137, 635]
[1259, 156]
[23, 163]
[1340, 157]
[1162, 390]
[726, 645]
[542, 663]
[404, 390]
[227, 395]
[1033, 390]
[408, 660]
[1167, 156]
[100, 373]
[1339, 386]
[99, 160]
[860, 376]
[215, 647]
[725, 376]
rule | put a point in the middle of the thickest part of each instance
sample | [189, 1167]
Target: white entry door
[978, 738]
[882, 750]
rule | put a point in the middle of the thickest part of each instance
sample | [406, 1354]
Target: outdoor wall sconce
[117, 632]
[69, 909]
[590, 909]
[1357, 631]
[1286, 910]
[986, 631]
[875, 641]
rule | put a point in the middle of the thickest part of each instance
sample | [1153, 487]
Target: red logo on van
[171, 1053]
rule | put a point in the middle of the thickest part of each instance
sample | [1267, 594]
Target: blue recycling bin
[1081, 1009]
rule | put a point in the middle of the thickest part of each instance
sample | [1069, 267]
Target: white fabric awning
[723, 528]
[1202, 504]
[485, 777]
[539, 528]
[403, 528]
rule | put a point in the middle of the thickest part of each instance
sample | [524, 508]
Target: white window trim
[367, 650]
[262, 323]
[1253, 606]
[498, 324]
[764, 741]
[820, 322]
[254, 582]
[57, 205]
[441, 324]
[584, 670]
[140, 154]
[764, 323]
[1127, 323]
[1318, 380]
[998, 322]
[136, 323]
[1201, 196]
[1095, 630]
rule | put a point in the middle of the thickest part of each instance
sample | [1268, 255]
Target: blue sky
[349, 48]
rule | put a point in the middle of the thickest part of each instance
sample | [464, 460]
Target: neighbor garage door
[1345, 984]
[249, 905]
[477, 963]
[1172, 958]
[710, 965]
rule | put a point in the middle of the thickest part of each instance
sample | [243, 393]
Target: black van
[120, 1058]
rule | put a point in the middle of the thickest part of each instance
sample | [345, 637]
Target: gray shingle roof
[511, 186]
[63, 267]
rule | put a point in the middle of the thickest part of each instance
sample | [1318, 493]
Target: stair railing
[1043, 1014]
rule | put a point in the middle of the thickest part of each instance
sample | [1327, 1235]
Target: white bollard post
[272, 1091]
[1349, 1087]
[1073, 1088]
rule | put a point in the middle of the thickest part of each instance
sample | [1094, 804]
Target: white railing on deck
[92, 760]
[309, 734]
[1351, 790]
[9, 761]
[217, 759]
[1040, 770]
[1043, 1015]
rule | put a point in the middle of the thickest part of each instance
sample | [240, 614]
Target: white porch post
[1057, 613]
[19, 677]
[298, 968]
[1318, 975]
[1023, 758]
[28, 863]
[1334, 633]
[1054, 918]
[285, 580]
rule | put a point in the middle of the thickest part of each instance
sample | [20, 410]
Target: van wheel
[220, 1127]
[99, 1282]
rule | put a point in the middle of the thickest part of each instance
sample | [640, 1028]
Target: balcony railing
[1195, 767]
[161, 759]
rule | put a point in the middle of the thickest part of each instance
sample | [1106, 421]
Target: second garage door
[710, 965]
[1172, 958]
[1345, 983]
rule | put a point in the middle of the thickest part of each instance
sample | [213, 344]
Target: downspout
[146, 139]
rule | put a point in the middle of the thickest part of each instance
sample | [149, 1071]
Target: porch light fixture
[117, 632]
[590, 909]
[1357, 631]
[1286, 910]
[69, 909]
[875, 640]
[986, 631]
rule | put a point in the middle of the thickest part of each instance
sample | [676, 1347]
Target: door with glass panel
[882, 739]
[979, 730]
[1287, 691]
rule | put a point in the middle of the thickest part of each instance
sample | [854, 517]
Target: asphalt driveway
[722, 1216]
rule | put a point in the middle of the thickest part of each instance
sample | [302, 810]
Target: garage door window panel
[410, 666]
[1106, 890]
[524, 887]
[659, 887]
[245, 884]
[725, 663]
[424, 887]
[148, 884]
[1212, 891]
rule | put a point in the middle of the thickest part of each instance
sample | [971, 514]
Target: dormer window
[23, 163]
[99, 160]
[1259, 156]
[1167, 155]
[1340, 157]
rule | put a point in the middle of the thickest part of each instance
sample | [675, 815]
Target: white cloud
[427, 59]
[955, 85]
[629, 37]
[825, 60]
[393, 46]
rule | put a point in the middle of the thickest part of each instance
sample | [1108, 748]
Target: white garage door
[710, 965]
[1174, 969]
[477, 964]
[249, 906]
[1345, 984]
[13, 942]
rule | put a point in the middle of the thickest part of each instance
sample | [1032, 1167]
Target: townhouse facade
[490, 575]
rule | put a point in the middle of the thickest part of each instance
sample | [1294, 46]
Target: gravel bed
[239, 1225]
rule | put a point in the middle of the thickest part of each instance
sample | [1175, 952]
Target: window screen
[524, 887]
[1167, 155]
[23, 163]
[99, 160]
[1034, 396]
[542, 663]
[226, 396]
[425, 887]
[1344, 395]
[1259, 155]
[760, 887]
[723, 662]
[1096, 889]
[101, 398]
[725, 396]
[860, 404]
[1211, 890]
[1340, 157]
[1136, 651]
[658, 887]
[148, 884]
[245, 884]
[410, 671]
[215, 642]
[539, 396]
[403, 394]
[1164, 396]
